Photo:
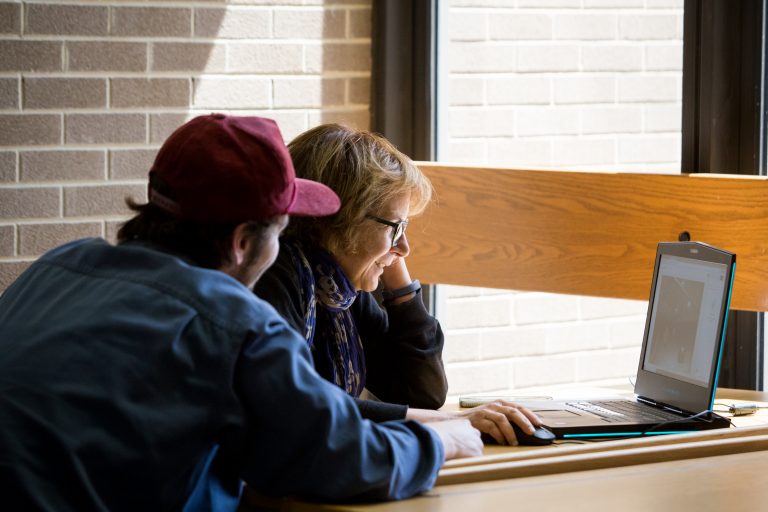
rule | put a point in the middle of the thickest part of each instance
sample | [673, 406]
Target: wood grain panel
[584, 233]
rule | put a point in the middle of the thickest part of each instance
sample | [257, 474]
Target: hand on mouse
[494, 419]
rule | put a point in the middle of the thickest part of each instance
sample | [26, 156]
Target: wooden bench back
[584, 233]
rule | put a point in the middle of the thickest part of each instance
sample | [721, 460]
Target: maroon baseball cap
[220, 168]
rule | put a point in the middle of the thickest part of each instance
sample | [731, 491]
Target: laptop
[680, 358]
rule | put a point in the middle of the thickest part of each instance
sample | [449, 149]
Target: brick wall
[574, 84]
[577, 84]
[500, 341]
[90, 89]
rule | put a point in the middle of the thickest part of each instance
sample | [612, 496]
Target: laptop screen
[684, 323]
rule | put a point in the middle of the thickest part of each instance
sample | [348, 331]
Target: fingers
[535, 420]
[396, 274]
[494, 419]
[494, 423]
[529, 415]
[496, 426]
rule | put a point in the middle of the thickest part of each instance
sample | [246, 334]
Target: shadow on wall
[89, 92]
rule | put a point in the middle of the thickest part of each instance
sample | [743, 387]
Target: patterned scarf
[323, 282]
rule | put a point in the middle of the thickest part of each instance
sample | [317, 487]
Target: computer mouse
[540, 436]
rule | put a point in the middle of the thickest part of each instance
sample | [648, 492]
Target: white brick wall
[543, 371]
[530, 153]
[586, 152]
[500, 341]
[644, 27]
[614, 119]
[584, 89]
[89, 90]
[479, 57]
[478, 312]
[585, 26]
[611, 57]
[664, 56]
[520, 25]
[232, 93]
[574, 84]
[513, 90]
[563, 70]
[548, 58]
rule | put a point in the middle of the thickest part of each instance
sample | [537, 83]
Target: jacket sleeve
[403, 352]
[305, 437]
[375, 410]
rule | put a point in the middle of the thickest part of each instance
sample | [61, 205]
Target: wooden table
[702, 471]
[727, 482]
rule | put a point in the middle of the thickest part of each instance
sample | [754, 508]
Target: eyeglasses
[398, 228]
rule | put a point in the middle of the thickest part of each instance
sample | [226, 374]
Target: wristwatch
[390, 295]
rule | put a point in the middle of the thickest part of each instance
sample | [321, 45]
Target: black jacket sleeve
[403, 352]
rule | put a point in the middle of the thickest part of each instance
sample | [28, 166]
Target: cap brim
[313, 199]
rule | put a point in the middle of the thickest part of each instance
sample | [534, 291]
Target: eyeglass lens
[398, 232]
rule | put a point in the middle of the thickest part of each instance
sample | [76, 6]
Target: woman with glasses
[389, 357]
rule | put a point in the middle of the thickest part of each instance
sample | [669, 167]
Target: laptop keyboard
[615, 411]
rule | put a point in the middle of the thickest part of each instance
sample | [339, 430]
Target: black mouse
[540, 436]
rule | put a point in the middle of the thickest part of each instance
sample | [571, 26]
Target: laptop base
[710, 422]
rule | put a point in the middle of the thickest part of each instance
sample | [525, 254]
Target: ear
[240, 244]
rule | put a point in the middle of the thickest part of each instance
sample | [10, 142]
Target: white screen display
[683, 331]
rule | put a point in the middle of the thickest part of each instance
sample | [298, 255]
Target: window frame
[724, 78]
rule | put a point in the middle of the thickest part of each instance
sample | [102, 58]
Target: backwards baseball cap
[220, 168]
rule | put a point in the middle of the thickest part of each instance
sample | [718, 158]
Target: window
[559, 85]
[576, 84]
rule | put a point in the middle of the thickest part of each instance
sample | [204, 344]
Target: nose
[402, 248]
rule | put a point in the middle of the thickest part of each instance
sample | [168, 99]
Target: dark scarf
[323, 282]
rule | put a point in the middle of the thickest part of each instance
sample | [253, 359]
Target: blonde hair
[364, 169]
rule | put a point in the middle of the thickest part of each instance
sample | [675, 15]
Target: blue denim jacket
[132, 380]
